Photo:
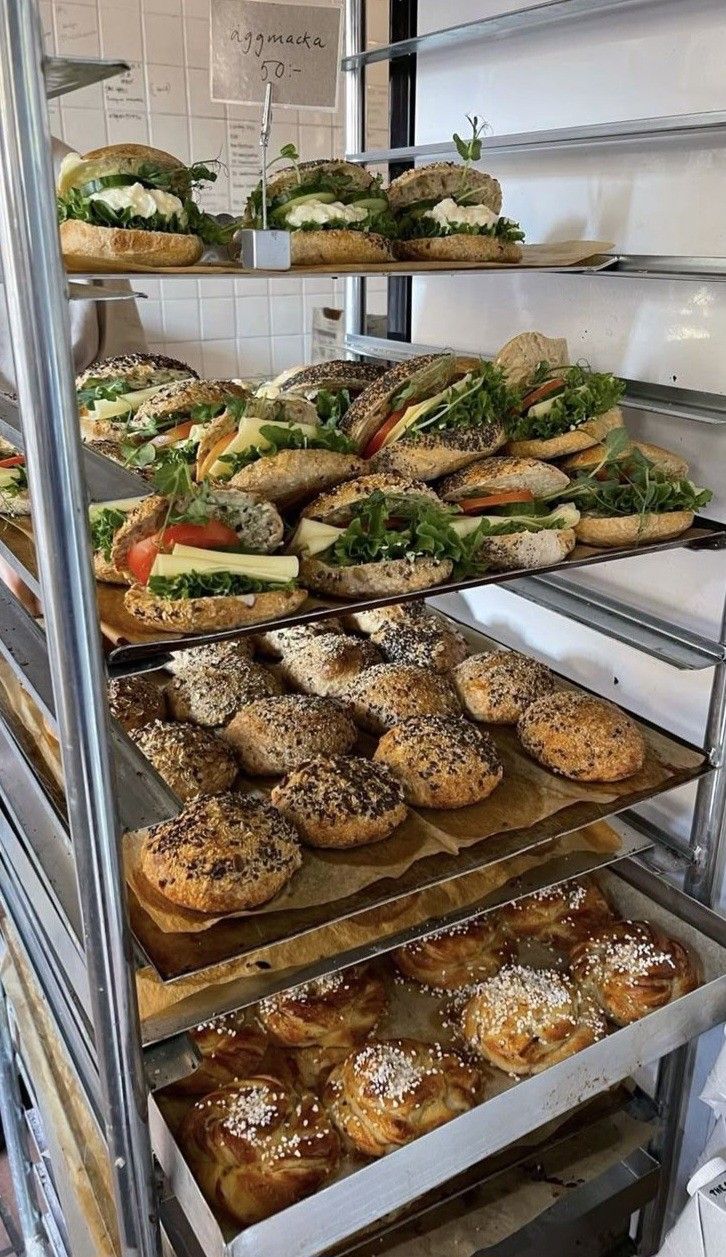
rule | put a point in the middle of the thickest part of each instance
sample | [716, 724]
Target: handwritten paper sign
[296, 47]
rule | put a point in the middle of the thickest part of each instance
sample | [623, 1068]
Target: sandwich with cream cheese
[111, 390]
[452, 213]
[431, 415]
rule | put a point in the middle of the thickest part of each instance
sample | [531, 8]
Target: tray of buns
[438, 1056]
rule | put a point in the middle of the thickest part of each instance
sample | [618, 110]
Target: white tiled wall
[223, 327]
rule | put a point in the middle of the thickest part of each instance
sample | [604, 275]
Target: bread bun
[369, 410]
[631, 530]
[222, 854]
[136, 701]
[630, 968]
[388, 693]
[211, 696]
[459, 247]
[559, 916]
[85, 247]
[339, 802]
[591, 432]
[430, 455]
[336, 507]
[212, 614]
[581, 737]
[337, 246]
[428, 641]
[527, 550]
[387, 1094]
[441, 179]
[256, 1147]
[327, 663]
[332, 374]
[398, 613]
[224, 654]
[524, 1020]
[336, 1011]
[103, 568]
[275, 735]
[258, 526]
[295, 476]
[502, 473]
[457, 958]
[140, 370]
[230, 1047]
[276, 643]
[442, 761]
[374, 580]
[191, 760]
[498, 687]
[670, 463]
[183, 395]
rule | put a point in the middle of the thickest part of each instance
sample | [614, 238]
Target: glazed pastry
[230, 1047]
[631, 968]
[336, 1011]
[560, 915]
[457, 958]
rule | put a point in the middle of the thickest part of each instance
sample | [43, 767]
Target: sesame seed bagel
[581, 737]
[294, 476]
[107, 571]
[442, 761]
[389, 693]
[274, 735]
[368, 411]
[341, 802]
[591, 432]
[460, 246]
[438, 180]
[210, 695]
[84, 245]
[336, 246]
[632, 530]
[374, 580]
[191, 760]
[498, 687]
[405, 614]
[228, 853]
[528, 550]
[140, 370]
[433, 454]
[667, 461]
[185, 394]
[336, 506]
[495, 475]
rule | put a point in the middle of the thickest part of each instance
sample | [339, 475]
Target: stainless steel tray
[359, 1199]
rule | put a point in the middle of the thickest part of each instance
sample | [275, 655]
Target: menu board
[295, 47]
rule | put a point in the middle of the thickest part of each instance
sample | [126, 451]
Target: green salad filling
[576, 395]
[211, 585]
[104, 526]
[289, 439]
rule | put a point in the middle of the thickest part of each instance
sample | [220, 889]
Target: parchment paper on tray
[526, 795]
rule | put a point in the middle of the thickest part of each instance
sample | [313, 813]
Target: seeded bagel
[441, 761]
[581, 737]
[341, 802]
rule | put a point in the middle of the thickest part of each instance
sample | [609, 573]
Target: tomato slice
[173, 436]
[17, 460]
[472, 505]
[141, 556]
[379, 437]
[214, 535]
[539, 394]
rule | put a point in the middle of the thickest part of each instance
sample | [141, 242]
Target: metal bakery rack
[63, 905]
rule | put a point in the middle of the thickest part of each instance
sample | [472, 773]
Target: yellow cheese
[118, 504]
[419, 410]
[249, 436]
[278, 567]
[313, 537]
[103, 409]
[9, 475]
[567, 514]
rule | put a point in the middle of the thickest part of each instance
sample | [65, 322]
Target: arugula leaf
[331, 406]
[99, 389]
[634, 487]
[104, 526]
[486, 398]
[173, 476]
[17, 485]
[211, 585]
[289, 439]
[388, 526]
[415, 227]
[586, 394]
[190, 221]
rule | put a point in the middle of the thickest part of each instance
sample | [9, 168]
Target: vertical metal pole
[11, 1112]
[403, 24]
[354, 142]
[38, 313]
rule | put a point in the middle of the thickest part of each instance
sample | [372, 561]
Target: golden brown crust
[374, 580]
[457, 958]
[423, 638]
[275, 735]
[631, 968]
[437, 180]
[336, 245]
[213, 693]
[430, 455]
[528, 550]
[459, 247]
[107, 571]
[524, 1020]
[204, 615]
[226, 655]
[230, 1047]
[582, 737]
[294, 476]
[136, 701]
[492, 475]
[667, 461]
[632, 530]
[138, 369]
[398, 614]
[336, 506]
[498, 687]
[521, 355]
[191, 760]
[222, 854]
[276, 643]
[442, 761]
[388, 693]
[338, 802]
[116, 153]
[559, 916]
[326, 663]
[336, 1011]
[591, 432]
[82, 244]
[387, 1094]
[257, 1147]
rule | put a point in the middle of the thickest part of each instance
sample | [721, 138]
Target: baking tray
[356, 1201]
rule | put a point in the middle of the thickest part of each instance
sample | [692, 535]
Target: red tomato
[141, 556]
[539, 394]
[17, 460]
[214, 535]
[470, 505]
[379, 437]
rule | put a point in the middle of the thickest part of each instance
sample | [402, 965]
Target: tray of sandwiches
[437, 1055]
[345, 485]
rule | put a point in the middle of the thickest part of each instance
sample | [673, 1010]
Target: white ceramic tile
[253, 316]
[250, 287]
[209, 139]
[196, 37]
[83, 129]
[46, 20]
[215, 286]
[196, 8]
[254, 358]
[283, 284]
[120, 33]
[127, 92]
[181, 320]
[164, 40]
[220, 359]
[150, 314]
[286, 314]
[125, 128]
[201, 104]
[319, 286]
[217, 317]
[76, 27]
[167, 93]
[171, 8]
[179, 288]
[171, 134]
[151, 287]
[187, 351]
[287, 351]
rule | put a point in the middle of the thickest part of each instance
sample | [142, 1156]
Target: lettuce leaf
[586, 394]
[104, 526]
[289, 439]
[211, 585]
[386, 527]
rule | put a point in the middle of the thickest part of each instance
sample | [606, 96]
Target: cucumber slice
[108, 181]
[326, 198]
[374, 204]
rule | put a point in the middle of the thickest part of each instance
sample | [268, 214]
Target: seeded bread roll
[524, 1020]
[374, 580]
[404, 613]
[457, 958]
[429, 455]
[231, 1047]
[428, 642]
[559, 916]
[494, 475]
[500, 686]
[630, 968]
[441, 761]
[581, 737]
[341, 801]
[213, 613]
[275, 735]
[582, 436]
[211, 696]
[225, 654]
[229, 853]
[388, 693]
[326, 664]
[136, 701]
[139, 370]
[667, 461]
[279, 642]
[336, 1011]
[291, 477]
[336, 507]
[191, 760]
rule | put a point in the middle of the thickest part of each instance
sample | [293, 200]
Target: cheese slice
[104, 409]
[420, 409]
[9, 475]
[567, 513]
[313, 537]
[278, 567]
[118, 504]
[249, 436]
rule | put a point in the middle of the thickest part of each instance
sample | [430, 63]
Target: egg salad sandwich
[14, 496]
[335, 212]
[431, 415]
[562, 408]
[450, 212]
[132, 205]
[110, 391]
[331, 385]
